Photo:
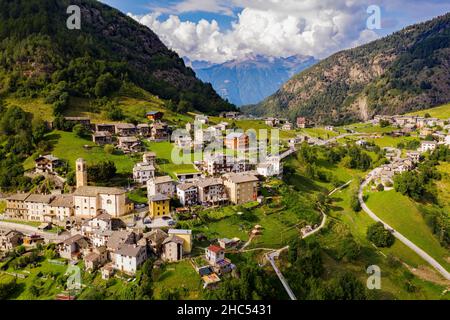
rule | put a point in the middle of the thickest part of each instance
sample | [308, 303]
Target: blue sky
[221, 30]
[141, 7]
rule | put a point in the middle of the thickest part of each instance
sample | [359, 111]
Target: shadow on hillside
[303, 184]
[52, 139]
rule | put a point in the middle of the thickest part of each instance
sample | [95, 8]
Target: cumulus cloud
[269, 27]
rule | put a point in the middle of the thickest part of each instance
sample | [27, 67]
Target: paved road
[29, 230]
[287, 153]
[399, 236]
[286, 286]
[339, 188]
[270, 256]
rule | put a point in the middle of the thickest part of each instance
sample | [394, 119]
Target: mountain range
[40, 56]
[406, 71]
[250, 80]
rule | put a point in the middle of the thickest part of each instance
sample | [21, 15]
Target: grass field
[181, 276]
[441, 112]
[369, 128]
[388, 141]
[320, 132]
[67, 146]
[138, 196]
[36, 106]
[43, 277]
[403, 215]
[443, 186]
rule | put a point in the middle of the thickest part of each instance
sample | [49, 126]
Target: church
[90, 201]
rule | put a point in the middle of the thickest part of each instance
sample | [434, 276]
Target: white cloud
[268, 27]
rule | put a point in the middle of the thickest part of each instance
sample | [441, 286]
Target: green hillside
[441, 112]
[41, 58]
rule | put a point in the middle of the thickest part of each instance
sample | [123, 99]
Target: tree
[380, 187]
[109, 149]
[310, 171]
[34, 291]
[70, 178]
[102, 171]
[184, 106]
[381, 237]
[106, 84]
[80, 131]
[7, 288]
[114, 113]
[39, 128]
[384, 123]
[345, 287]
[411, 184]
[145, 289]
[351, 249]
[354, 203]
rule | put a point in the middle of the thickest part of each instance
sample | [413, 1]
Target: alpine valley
[250, 80]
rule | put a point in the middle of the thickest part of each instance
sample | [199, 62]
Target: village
[111, 234]
[89, 218]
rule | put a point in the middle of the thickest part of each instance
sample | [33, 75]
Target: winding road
[398, 235]
[270, 256]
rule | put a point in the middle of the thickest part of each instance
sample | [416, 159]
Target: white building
[62, 208]
[361, 143]
[428, 146]
[142, 172]
[447, 140]
[222, 126]
[172, 249]
[100, 238]
[184, 142]
[187, 194]
[211, 191]
[90, 201]
[100, 223]
[128, 258]
[38, 207]
[271, 167]
[201, 119]
[203, 135]
[414, 156]
[214, 254]
[161, 185]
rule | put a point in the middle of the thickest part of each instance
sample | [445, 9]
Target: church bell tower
[81, 173]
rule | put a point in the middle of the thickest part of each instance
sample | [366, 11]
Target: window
[108, 201]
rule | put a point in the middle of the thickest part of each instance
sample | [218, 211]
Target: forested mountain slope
[406, 71]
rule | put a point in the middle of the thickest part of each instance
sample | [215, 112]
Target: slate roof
[90, 191]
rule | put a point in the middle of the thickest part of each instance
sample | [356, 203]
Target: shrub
[109, 149]
[381, 237]
[354, 203]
